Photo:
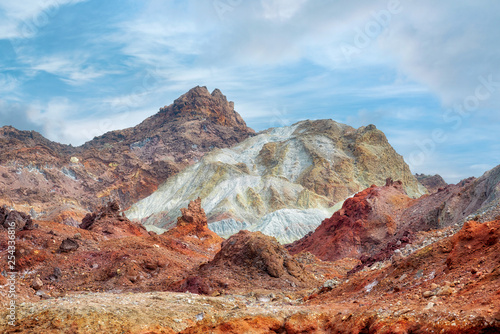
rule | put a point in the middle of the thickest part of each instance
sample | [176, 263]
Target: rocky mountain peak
[199, 104]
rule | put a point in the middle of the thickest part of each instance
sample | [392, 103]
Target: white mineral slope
[227, 227]
[309, 165]
[288, 225]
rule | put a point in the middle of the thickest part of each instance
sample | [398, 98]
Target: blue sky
[426, 74]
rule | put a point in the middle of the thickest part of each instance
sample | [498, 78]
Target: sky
[426, 73]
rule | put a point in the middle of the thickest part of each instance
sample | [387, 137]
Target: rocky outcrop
[109, 221]
[193, 225]
[309, 165]
[431, 182]
[15, 219]
[456, 275]
[246, 260]
[126, 165]
[377, 221]
[193, 215]
[110, 253]
[363, 227]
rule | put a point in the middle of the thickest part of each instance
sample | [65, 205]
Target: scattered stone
[428, 294]
[68, 245]
[20, 220]
[331, 283]
[445, 291]
[429, 306]
[42, 294]
[37, 283]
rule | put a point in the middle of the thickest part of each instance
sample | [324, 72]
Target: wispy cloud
[72, 69]
[22, 19]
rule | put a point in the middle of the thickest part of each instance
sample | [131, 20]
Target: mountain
[471, 199]
[381, 216]
[431, 182]
[309, 166]
[125, 165]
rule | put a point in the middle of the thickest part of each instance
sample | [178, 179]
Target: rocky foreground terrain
[113, 277]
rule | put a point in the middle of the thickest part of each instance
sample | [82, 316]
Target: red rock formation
[472, 198]
[111, 253]
[248, 260]
[194, 215]
[458, 276]
[364, 225]
[109, 221]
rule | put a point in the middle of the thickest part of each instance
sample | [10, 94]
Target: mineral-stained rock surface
[109, 221]
[364, 225]
[124, 165]
[310, 165]
[471, 199]
[246, 261]
[109, 253]
[379, 220]
[455, 280]
[450, 286]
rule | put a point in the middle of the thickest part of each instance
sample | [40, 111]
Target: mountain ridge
[124, 165]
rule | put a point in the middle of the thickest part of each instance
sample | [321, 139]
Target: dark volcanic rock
[68, 245]
[20, 220]
[109, 221]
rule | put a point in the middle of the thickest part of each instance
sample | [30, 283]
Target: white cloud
[23, 19]
[8, 83]
[71, 68]
[447, 45]
[281, 9]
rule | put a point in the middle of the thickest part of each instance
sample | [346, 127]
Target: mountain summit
[124, 165]
[198, 103]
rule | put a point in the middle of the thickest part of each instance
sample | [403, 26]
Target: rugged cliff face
[309, 166]
[125, 165]
[471, 199]
[364, 225]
